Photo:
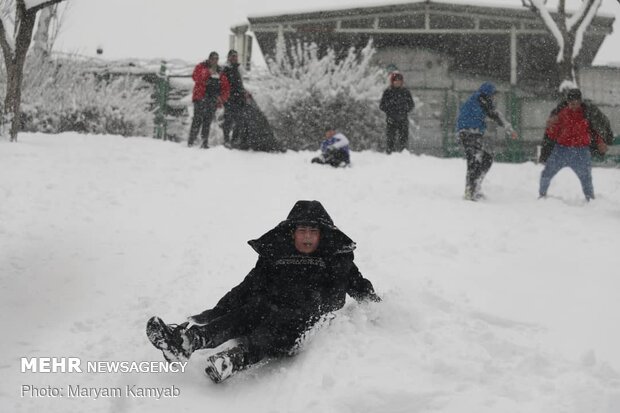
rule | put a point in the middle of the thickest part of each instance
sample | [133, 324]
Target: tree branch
[583, 24]
[7, 50]
[556, 30]
[43, 5]
[574, 22]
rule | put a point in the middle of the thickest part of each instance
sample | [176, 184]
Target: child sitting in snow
[334, 149]
[304, 271]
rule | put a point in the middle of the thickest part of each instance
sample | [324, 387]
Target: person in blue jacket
[334, 149]
[470, 126]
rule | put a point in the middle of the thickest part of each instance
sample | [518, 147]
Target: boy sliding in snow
[334, 149]
[304, 270]
[470, 126]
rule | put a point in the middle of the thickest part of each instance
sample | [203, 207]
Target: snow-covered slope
[508, 305]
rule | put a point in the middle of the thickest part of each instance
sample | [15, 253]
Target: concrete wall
[601, 84]
[420, 67]
[439, 93]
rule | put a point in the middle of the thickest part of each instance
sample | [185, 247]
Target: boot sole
[158, 334]
[219, 368]
[213, 374]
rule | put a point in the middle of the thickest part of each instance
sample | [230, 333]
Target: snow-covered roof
[337, 8]
[476, 37]
[499, 10]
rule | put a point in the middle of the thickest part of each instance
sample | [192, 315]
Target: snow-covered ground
[508, 305]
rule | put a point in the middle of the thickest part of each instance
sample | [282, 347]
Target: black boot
[222, 365]
[177, 342]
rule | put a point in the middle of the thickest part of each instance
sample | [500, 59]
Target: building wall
[601, 84]
[439, 93]
[420, 67]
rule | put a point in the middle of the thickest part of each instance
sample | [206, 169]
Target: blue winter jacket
[477, 108]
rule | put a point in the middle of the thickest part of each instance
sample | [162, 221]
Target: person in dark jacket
[304, 270]
[211, 90]
[396, 102]
[470, 126]
[573, 127]
[599, 127]
[234, 105]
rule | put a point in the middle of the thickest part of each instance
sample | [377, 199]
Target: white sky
[190, 29]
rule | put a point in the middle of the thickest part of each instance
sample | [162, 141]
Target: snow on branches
[573, 25]
[568, 31]
[31, 4]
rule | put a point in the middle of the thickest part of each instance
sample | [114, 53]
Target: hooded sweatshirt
[479, 106]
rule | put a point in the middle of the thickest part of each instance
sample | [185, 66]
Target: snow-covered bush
[303, 93]
[68, 95]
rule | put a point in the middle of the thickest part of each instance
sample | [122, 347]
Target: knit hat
[396, 76]
[232, 52]
[213, 54]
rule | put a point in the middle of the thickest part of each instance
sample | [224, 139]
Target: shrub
[303, 93]
[68, 95]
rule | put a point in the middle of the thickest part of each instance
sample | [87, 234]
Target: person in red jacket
[572, 133]
[211, 90]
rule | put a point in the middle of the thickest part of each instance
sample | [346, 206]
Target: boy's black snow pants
[334, 158]
[264, 330]
[479, 161]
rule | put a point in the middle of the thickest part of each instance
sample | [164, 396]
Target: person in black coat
[304, 270]
[235, 103]
[396, 102]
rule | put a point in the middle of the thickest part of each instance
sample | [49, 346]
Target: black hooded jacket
[289, 285]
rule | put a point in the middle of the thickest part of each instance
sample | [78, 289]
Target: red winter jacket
[201, 75]
[570, 128]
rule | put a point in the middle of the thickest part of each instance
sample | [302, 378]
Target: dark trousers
[204, 112]
[334, 158]
[232, 115]
[263, 331]
[479, 161]
[397, 131]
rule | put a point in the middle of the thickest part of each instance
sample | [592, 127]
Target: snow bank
[508, 305]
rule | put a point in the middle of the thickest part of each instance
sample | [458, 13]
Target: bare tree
[14, 49]
[568, 31]
[48, 28]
